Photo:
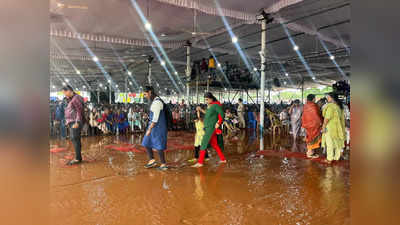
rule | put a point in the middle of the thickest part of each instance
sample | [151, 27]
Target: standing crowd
[324, 124]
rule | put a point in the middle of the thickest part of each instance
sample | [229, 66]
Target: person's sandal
[151, 165]
[224, 161]
[163, 168]
[197, 165]
[327, 162]
[74, 162]
[312, 156]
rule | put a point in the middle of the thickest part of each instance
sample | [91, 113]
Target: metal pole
[197, 89]
[208, 84]
[98, 97]
[126, 90]
[149, 75]
[188, 71]
[257, 97]
[263, 69]
[302, 91]
[109, 93]
[269, 95]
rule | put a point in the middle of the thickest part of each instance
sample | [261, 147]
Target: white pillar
[269, 95]
[98, 97]
[109, 93]
[197, 89]
[263, 69]
[126, 90]
[149, 74]
[302, 91]
[188, 72]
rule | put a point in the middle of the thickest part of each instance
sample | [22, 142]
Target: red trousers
[214, 144]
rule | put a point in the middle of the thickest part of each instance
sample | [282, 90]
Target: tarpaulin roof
[114, 32]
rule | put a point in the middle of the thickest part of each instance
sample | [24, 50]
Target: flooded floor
[113, 187]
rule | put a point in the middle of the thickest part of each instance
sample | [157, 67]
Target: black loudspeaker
[276, 82]
[341, 87]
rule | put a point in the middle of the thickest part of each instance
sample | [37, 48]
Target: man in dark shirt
[74, 119]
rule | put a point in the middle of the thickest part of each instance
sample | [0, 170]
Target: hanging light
[129, 73]
[286, 74]
[147, 25]
[66, 80]
[332, 57]
[100, 85]
[116, 85]
[296, 48]
[219, 65]
[255, 69]
[95, 59]
[130, 83]
[54, 87]
[284, 82]
[84, 86]
[78, 72]
[313, 78]
[64, 84]
[109, 81]
[235, 39]
[162, 63]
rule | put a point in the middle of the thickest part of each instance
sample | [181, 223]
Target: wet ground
[277, 187]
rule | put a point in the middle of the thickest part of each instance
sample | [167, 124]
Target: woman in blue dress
[157, 131]
[122, 122]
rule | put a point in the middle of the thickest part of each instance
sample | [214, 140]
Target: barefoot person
[74, 118]
[312, 122]
[214, 116]
[156, 133]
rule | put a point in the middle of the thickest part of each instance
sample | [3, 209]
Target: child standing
[199, 124]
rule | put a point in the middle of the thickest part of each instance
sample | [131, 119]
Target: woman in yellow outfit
[333, 129]
[199, 124]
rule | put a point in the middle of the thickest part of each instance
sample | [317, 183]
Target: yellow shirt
[335, 127]
[199, 133]
[211, 63]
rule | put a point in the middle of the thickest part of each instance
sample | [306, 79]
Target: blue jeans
[75, 136]
[63, 129]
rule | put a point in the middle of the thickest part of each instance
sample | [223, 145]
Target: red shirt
[74, 109]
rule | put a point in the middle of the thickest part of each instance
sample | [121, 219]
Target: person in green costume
[214, 117]
[334, 133]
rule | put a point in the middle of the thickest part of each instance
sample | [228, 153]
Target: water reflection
[114, 188]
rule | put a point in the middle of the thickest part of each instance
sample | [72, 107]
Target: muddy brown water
[112, 187]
